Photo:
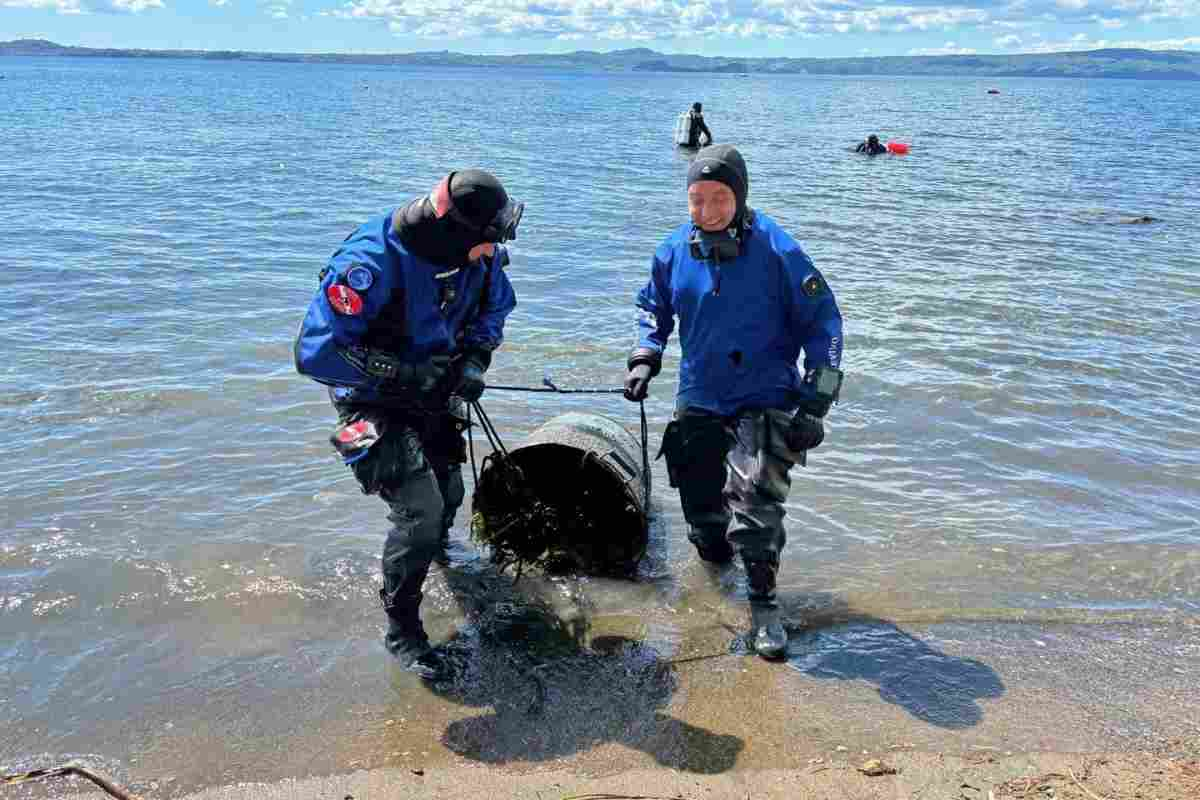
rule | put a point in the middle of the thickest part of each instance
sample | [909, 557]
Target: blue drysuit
[743, 323]
[407, 311]
[742, 326]
[393, 304]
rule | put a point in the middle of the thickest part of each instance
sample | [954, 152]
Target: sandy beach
[1007, 710]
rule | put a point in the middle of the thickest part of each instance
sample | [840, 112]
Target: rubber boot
[770, 638]
[711, 544]
[406, 639]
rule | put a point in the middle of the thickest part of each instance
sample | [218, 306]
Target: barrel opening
[567, 510]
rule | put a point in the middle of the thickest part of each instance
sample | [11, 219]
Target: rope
[549, 387]
[645, 454]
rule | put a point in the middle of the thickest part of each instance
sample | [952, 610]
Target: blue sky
[794, 28]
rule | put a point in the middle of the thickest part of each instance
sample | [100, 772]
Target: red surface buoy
[897, 148]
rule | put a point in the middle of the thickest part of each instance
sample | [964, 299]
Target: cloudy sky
[794, 28]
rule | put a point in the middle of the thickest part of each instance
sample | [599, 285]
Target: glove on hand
[470, 379]
[403, 377]
[427, 373]
[805, 432]
[637, 382]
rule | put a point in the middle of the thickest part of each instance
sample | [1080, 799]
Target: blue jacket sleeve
[656, 318]
[487, 331]
[327, 347]
[816, 319]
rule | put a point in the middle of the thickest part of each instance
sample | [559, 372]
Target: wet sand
[958, 709]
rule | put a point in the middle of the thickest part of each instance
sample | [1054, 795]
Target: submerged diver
[871, 146]
[748, 300]
[402, 328]
[691, 127]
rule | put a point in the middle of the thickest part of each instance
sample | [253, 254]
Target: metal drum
[577, 501]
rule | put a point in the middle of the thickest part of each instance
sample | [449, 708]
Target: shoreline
[993, 707]
[1065, 776]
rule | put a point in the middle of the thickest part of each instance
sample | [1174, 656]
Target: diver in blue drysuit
[748, 301]
[402, 329]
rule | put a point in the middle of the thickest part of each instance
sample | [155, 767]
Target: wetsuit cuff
[645, 355]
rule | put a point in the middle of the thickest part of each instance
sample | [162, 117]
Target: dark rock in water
[1143, 220]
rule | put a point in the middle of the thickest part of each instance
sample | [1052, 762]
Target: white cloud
[648, 20]
[278, 9]
[126, 6]
[59, 6]
[1084, 42]
[657, 19]
[77, 7]
[948, 49]
[218, 3]
[1009, 42]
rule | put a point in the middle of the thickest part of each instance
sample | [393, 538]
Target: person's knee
[416, 512]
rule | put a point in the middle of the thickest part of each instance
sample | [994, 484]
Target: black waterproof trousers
[733, 479]
[416, 468]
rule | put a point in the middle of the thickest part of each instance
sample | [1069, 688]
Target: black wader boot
[406, 639]
[770, 638]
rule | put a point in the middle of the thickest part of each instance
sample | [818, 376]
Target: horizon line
[590, 52]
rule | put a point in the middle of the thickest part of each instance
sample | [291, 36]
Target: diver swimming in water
[871, 146]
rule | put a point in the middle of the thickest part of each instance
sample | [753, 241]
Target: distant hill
[1108, 63]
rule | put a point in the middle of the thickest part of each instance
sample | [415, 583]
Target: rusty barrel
[577, 501]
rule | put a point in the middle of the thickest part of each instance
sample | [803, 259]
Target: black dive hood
[465, 209]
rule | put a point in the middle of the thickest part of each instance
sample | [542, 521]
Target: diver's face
[712, 205]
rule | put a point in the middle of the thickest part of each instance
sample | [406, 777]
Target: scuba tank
[683, 129]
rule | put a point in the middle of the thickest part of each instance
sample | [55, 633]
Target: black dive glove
[643, 365]
[805, 432]
[402, 376]
[470, 382]
[637, 382]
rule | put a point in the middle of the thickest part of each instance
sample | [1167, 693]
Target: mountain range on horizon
[1107, 63]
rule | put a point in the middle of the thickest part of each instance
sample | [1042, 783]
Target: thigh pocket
[380, 455]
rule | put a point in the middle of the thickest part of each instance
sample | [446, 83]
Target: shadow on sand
[933, 686]
[553, 691]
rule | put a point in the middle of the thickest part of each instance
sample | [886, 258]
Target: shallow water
[178, 543]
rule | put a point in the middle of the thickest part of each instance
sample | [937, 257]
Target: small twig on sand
[1081, 786]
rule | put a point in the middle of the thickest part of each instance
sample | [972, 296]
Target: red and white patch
[353, 432]
[440, 198]
[344, 300]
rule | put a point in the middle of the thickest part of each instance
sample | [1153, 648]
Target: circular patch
[359, 278]
[813, 285]
[344, 300]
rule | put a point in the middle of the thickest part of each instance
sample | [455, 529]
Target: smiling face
[712, 205]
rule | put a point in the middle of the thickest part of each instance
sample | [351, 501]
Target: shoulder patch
[344, 300]
[359, 278]
[814, 285]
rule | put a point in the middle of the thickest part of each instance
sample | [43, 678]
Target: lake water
[1017, 438]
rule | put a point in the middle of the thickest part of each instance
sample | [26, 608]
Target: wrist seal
[824, 384]
[644, 355]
